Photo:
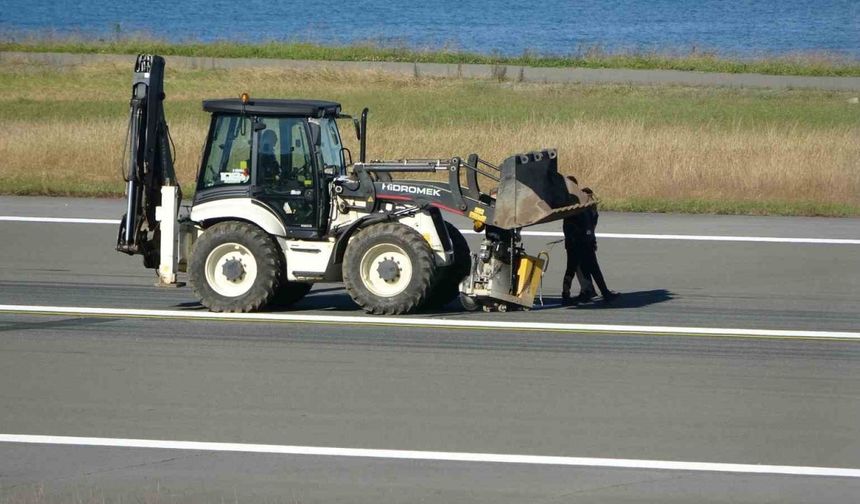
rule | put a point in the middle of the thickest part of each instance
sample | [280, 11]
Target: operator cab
[281, 153]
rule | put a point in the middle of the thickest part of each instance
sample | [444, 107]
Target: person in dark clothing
[581, 245]
[268, 166]
[586, 285]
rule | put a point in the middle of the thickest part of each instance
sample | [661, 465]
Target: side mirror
[316, 134]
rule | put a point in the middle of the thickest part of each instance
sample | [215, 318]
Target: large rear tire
[448, 280]
[388, 269]
[235, 267]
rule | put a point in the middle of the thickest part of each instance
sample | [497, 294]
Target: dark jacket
[579, 229]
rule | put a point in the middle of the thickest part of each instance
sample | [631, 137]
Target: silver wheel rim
[219, 258]
[381, 255]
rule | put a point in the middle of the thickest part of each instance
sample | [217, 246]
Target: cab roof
[270, 107]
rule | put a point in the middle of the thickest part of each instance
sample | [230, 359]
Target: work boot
[610, 296]
[585, 296]
[566, 300]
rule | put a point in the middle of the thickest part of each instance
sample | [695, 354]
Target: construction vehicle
[279, 205]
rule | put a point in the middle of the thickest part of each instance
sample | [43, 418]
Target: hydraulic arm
[149, 174]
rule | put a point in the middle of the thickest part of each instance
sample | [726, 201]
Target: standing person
[586, 285]
[580, 243]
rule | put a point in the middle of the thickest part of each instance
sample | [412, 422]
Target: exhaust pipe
[362, 154]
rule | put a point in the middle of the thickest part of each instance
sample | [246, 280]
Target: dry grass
[620, 159]
[63, 132]
[628, 160]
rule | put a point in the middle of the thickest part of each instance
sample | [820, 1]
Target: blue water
[739, 27]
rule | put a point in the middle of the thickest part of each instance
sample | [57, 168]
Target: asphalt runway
[642, 397]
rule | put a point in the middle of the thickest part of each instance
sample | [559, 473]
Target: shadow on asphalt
[336, 299]
[636, 299]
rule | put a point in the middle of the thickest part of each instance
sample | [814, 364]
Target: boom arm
[150, 164]
[530, 190]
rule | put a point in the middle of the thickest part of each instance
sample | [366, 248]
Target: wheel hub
[388, 270]
[385, 269]
[233, 270]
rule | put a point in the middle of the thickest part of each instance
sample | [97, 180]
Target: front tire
[235, 267]
[388, 269]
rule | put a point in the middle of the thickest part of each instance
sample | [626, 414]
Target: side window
[283, 156]
[228, 160]
[301, 153]
[331, 146]
[284, 169]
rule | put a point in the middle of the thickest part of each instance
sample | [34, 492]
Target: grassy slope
[642, 148]
[801, 64]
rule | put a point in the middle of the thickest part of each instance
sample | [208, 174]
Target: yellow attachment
[245, 98]
[477, 217]
[529, 273]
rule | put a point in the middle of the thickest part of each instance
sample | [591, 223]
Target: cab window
[228, 159]
[331, 146]
[284, 155]
[285, 169]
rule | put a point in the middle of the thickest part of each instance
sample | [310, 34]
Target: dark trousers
[581, 254]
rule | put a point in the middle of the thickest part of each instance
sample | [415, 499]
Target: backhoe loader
[279, 205]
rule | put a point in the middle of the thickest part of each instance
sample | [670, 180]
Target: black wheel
[235, 267]
[469, 303]
[449, 277]
[289, 293]
[388, 269]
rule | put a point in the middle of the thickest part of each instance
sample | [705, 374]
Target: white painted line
[58, 220]
[544, 234]
[756, 239]
[325, 451]
[424, 322]
[718, 238]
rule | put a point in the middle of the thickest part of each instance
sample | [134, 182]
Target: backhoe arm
[150, 164]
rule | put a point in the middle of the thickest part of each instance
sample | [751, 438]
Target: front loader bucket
[532, 191]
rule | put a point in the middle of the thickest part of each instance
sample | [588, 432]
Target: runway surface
[593, 395]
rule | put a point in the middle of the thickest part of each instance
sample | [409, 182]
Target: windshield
[228, 161]
[331, 146]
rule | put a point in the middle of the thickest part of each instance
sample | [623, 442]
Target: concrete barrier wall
[505, 72]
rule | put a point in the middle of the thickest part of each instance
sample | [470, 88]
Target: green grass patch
[47, 94]
[797, 64]
[730, 207]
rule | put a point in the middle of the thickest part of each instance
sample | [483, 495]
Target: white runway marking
[58, 220]
[754, 239]
[424, 322]
[544, 234]
[326, 451]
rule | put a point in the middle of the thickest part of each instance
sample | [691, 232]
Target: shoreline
[790, 64]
